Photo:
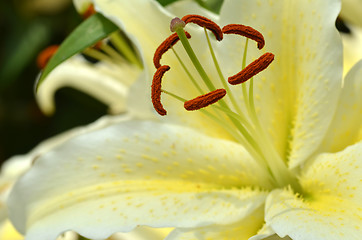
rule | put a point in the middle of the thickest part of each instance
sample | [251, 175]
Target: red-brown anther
[204, 22]
[252, 69]
[204, 100]
[156, 89]
[89, 12]
[245, 31]
[165, 46]
[45, 55]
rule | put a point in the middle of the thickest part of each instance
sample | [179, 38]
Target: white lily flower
[283, 160]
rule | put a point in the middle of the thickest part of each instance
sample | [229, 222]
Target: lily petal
[81, 5]
[331, 208]
[265, 233]
[14, 167]
[352, 47]
[142, 233]
[351, 10]
[241, 230]
[136, 173]
[297, 95]
[105, 81]
[185, 7]
[346, 127]
[8, 232]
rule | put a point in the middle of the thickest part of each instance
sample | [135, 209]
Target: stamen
[156, 89]
[206, 23]
[204, 100]
[252, 69]
[45, 55]
[165, 46]
[89, 12]
[245, 31]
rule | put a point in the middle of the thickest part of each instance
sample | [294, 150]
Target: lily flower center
[220, 104]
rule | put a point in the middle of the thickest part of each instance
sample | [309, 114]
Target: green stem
[245, 95]
[112, 53]
[97, 55]
[121, 44]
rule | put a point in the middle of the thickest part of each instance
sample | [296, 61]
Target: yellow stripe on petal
[321, 218]
[136, 173]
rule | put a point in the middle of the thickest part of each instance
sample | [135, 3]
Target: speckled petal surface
[296, 96]
[136, 173]
[332, 206]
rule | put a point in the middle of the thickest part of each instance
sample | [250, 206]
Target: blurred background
[27, 27]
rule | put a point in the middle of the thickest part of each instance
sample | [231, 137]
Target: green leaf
[85, 35]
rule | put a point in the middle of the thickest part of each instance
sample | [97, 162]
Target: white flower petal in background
[182, 8]
[81, 5]
[346, 127]
[105, 81]
[352, 47]
[351, 11]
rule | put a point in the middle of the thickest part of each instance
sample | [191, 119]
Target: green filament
[190, 52]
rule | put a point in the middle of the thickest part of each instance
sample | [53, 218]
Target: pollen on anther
[252, 69]
[245, 31]
[45, 55]
[204, 100]
[165, 46]
[204, 22]
[156, 89]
